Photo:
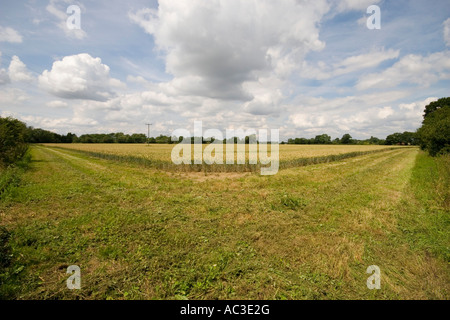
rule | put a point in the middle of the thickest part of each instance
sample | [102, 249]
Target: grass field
[308, 232]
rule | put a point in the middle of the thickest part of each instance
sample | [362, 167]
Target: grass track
[304, 233]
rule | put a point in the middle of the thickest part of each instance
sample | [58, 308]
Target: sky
[303, 67]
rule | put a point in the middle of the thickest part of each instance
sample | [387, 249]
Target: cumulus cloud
[447, 32]
[213, 47]
[414, 69]
[18, 71]
[80, 77]
[8, 34]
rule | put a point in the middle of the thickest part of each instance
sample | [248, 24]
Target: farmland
[308, 232]
[159, 156]
[162, 152]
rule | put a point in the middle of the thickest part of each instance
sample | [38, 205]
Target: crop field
[159, 156]
[307, 232]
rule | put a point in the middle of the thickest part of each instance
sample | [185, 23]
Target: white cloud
[4, 78]
[303, 120]
[12, 96]
[363, 61]
[57, 104]
[17, 71]
[348, 65]
[447, 32]
[8, 34]
[348, 104]
[414, 69]
[213, 47]
[350, 5]
[372, 120]
[339, 115]
[138, 80]
[80, 77]
[415, 109]
[385, 112]
[59, 123]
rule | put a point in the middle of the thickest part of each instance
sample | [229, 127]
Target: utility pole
[148, 133]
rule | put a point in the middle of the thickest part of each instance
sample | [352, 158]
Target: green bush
[5, 250]
[12, 141]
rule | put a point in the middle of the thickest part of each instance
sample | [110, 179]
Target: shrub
[12, 141]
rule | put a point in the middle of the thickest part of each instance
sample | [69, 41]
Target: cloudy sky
[304, 67]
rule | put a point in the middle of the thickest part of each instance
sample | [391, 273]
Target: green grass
[305, 233]
[427, 222]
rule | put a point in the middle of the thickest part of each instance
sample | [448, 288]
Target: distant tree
[398, 138]
[138, 138]
[346, 139]
[69, 138]
[394, 139]
[162, 139]
[322, 139]
[250, 139]
[374, 140]
[409, 138]
[37, 135]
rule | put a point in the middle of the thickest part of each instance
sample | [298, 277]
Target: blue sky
[304, 67]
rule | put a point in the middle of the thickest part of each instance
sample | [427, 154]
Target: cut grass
[304, 233]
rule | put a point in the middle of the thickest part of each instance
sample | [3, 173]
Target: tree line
[433, 136]
[398, 138]
[37, 135]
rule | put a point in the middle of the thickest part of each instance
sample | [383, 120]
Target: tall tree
[434, 135]
[436, 105]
